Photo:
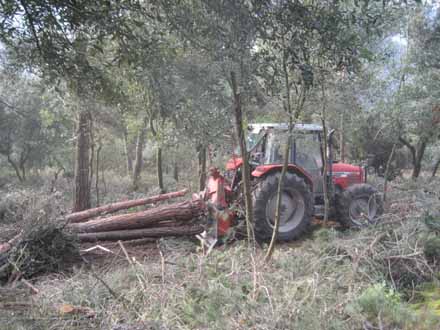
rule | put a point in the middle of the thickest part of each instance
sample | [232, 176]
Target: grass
[329, 280]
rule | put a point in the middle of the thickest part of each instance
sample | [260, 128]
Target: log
[114, 207]
[177, 212]
[186, 230]
[5, 247]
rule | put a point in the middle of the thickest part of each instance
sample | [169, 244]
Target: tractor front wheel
[358, 206]
[296, 207]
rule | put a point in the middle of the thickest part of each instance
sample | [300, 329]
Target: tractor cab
[270, 141]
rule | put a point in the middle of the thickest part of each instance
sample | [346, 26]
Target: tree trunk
[23, 159]
[342, 139]
[183, 211]
[140, 142]
[187, 230]
[111, 208]
[387, 170]
[159, 169]
[420, 152]
[98, 153]
[16, 169]
[23, 172]
[129, 161]
[176, 171]
[436, 166]
[244, 154]
[82, 186]
[201, 156]
[417, 154]
[92, 153]
[325, 182]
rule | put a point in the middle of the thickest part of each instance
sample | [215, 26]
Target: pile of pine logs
[178, 219]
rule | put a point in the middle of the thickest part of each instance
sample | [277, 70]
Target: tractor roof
[256, 128]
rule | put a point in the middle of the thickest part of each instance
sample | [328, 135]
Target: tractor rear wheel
[358, 206]
[296, 207]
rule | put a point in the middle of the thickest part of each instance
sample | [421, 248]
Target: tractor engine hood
[345, 175]
[342, 167]
[235, 162]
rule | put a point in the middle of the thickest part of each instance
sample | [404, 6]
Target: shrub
[382, 305]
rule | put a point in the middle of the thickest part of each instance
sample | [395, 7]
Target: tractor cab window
[308, 151]
[276, 144]
[251, 142]
[305, 152]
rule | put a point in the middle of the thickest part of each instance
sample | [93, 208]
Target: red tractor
[353, 202]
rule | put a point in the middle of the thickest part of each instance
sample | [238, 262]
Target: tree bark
[177, 212]
[244, 154]
[16, 169]
[420, 151]
[176, 171]
[201, 156]
[187, 230]
[342, 138]
[387, 170]
[98, 153]
[159, 169]
[111, 208]
[417, 154]
[92, 153]
[326, 184]
[436, 166]
[140, 142]
[23, 159]
[129, 161]
[82, 186]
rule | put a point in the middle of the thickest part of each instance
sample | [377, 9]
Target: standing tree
[299, 46]
[420, 96]
[62, 41]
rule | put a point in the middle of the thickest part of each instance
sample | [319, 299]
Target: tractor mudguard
[263, 170]
[234, 163]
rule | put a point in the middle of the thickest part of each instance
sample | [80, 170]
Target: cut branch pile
[178, 219]
[45, 246]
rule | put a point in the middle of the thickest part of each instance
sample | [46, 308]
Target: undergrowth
[381, 277]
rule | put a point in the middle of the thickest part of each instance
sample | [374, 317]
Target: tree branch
[32, 26]
[411, 148]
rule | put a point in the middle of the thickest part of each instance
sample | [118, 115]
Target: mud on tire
[358, 206]
[297, 207]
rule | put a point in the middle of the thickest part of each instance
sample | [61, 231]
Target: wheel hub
[362, 211]
[291, 211]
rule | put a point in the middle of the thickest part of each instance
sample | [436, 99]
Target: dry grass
[367, 279]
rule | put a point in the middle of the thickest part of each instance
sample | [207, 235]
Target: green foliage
[432, 220]
[432, 248]
[428, 300]
[378, 303]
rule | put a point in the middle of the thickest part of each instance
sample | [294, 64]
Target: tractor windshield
[251, 142]
[305, 152]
